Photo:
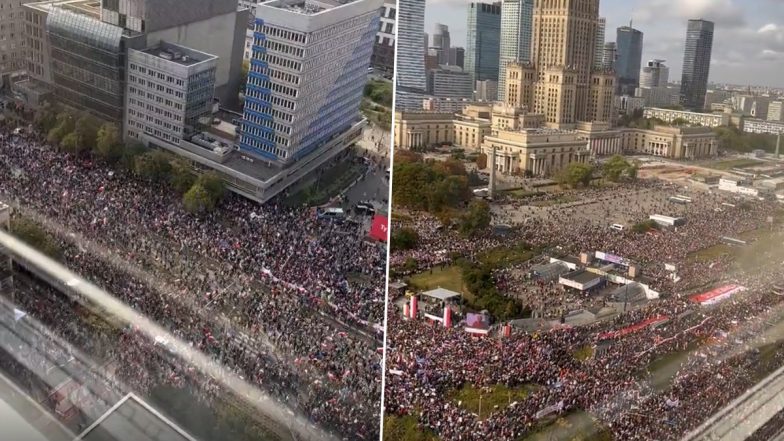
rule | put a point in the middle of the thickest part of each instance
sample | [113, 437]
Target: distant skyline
[748, 44]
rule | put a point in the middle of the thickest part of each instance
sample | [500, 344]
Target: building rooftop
[307, 7]
[91, 8]
[178, 54]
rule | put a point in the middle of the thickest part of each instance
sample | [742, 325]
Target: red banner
[380, 228]
[717, 295]
[634, 328]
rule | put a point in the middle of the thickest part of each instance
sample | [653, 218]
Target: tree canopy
[575, 174]
[430, 186]
[617, 167]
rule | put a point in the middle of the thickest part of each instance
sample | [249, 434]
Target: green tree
[107, 143]
[214, 185]
[70, 143]
[86, 128]
[197, 200]
[45, 118]
[448, 193]
[133, 150]
[633, 171]
[411, 183]
[35, 236]
[182, 176]
[615, 167]
[404, 239]
[575, 174]
[64, 125]
[476, 219]
[153, 165]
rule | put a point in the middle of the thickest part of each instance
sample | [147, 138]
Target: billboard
[477, 321]
[618, 260]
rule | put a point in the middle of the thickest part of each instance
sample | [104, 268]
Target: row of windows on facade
[151, 131]
[275, 87]
[154, 74]
[156, 86]
[277, 46]
[272, 31]
[153, 120]
[153, 97]
[279, 128]
[274, 150]
[275, 113]
[274, 100]
[141, 106]
[278, 75]
[282, 62]
[262, 134]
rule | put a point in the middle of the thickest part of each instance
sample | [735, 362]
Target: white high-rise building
[517, 18]
[308, 71]
[654, 77]
[411, 45]
[654, 74]
[598, 56]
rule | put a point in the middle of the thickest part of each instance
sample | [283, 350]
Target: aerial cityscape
[207, 183]
[397, 220]
[586, 241]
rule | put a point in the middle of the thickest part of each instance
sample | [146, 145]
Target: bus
[678, 199]
[668, 221]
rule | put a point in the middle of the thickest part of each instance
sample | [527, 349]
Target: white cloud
[770, 27]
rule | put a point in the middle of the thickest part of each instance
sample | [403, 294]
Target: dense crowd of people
[303, 292]
[426, 364]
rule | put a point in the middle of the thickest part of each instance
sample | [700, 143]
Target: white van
[617, 227]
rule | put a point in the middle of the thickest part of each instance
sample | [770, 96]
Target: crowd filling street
[263, 289]
[723, 349]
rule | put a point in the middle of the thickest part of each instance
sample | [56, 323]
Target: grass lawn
[734, 163]
[576, 426]
[497, 398]
[506, 256]
[450, 278]
[406, 429]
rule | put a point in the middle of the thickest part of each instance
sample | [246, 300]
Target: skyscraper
[609, 56]
[627, 67]
[655, 74]
[516, 35]
[560, 81]
[696, 63]
[598, 56]
[411, 45]
[307, 75]
[484, 41]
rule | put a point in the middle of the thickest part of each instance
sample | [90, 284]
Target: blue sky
[748, 47]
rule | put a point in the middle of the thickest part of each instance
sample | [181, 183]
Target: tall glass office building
[484, 41]
[410, 45]
[696, 63]
[308, 71]
[88, 62]
[629, 41]
[517, 18]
